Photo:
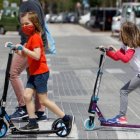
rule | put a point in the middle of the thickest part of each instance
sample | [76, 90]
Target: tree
[69, 5]
[60, 5]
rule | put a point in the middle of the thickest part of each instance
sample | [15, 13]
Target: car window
[10, 12]
[128, 11]
[118, 13]
[137, 11]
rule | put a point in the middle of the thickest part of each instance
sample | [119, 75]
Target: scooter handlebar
[13, 47]
[104, 49]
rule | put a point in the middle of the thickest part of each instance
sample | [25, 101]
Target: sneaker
[30, 127]
[118, 119]
[69, 124]
[41, 116]
[122, 120]
[20, 113]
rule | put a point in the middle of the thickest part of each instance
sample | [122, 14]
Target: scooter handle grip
[8, 44]
[20, 48]
[103, 49]
[13, 47]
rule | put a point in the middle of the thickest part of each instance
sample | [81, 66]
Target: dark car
[102, 17]
[9, 20]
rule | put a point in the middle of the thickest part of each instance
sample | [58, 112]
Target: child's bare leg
[28, 94]
[50, 105]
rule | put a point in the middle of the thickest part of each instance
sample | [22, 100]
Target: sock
[32, 121]
[23, 107]
[66, 118]
[39, 113]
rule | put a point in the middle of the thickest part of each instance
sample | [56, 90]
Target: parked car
[131, 12]
[47, 17]
[102, 17]
[62, 18]
[116, 22]
[53, 18]
[9, 20]
[72, 17]
[84, 20]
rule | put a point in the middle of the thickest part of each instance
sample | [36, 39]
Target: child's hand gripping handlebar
[13, 47]
[104, 49]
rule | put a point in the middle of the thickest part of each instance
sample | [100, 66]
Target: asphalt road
[73, 72]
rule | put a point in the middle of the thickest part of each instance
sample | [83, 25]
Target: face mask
[28, 29]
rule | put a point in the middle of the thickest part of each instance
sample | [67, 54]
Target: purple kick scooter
[93, 107]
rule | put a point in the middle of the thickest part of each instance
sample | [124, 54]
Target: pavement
[72, 75]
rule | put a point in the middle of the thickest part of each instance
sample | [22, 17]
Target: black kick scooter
[58, 126]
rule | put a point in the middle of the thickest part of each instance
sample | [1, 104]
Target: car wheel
[88, 24]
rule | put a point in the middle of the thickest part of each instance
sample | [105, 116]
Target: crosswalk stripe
[112, 71]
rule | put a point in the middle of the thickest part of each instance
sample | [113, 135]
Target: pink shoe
[122, 120]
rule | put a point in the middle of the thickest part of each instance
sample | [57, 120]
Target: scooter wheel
[88, 125]
[3, 129]
[60, 124]
[54, 123]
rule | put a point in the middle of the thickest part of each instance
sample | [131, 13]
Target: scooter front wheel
[55, 122]
[3, 129]
[59, 124]
[88, 124]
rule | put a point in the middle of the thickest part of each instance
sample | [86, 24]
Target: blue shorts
[38, 82]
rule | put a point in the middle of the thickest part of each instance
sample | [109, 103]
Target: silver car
[116, 23]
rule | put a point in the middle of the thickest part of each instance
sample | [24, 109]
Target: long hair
[33, 17]
[130, 35]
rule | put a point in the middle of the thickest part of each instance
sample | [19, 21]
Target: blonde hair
[33, 17]
[130, 35]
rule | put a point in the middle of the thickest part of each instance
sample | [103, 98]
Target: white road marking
[127, 133]
[114, 71]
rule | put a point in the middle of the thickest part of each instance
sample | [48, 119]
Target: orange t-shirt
[36, 66]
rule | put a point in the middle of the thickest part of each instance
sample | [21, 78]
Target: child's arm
[121, 55]
[35, 54]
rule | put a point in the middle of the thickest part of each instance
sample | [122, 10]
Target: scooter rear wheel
[89, 125]
[60, 124]
[3, 129]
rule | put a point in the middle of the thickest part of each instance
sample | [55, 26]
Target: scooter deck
[120, 125]
[27, 119]
[17, 131]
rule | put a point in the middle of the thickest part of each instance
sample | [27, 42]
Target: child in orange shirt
[38, 70]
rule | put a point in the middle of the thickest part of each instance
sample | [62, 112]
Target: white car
[131, 12]
[116, 24]
[85, 19]
[47, 17]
